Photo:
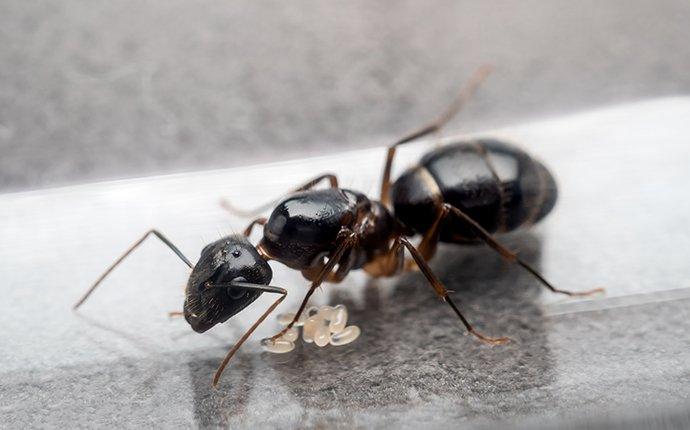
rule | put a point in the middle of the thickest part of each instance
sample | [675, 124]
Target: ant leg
[390, 263]
[129, 250]
[332, 180]
[442, 292]
[511, 256]
[175, 314]
[250, 227]
[344, 245]
[427, 247]
[225, 203]
[465, 94]
[245, 336]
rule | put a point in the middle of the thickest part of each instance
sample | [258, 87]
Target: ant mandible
[459, 193]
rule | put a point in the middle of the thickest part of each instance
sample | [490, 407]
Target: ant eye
[236, 253]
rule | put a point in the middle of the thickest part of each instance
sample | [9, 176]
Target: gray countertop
[98, 89]
[622, 359]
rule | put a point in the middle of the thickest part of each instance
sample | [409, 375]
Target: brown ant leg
[442, 292]
[245, 336]
[465, 94]
[332, 180]
[511, 256]
[345, 244]
[388, 264]
[129, 250]
[427, 247]
[250, 227]
[175, 314]
[225, 203]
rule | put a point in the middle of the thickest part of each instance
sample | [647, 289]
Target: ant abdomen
[497, 184]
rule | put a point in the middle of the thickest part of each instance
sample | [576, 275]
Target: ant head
[210, 297]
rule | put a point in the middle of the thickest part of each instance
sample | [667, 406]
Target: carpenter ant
[460, 193]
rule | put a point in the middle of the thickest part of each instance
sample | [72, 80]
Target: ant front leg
[245, 336]
[225, 203]
[345, 244]
[250, 227]
[465, 94]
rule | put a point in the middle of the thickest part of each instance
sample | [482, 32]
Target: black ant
[459, 193]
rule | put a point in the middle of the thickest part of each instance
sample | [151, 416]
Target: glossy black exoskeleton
[494, 183]
[461, 193]
[303, 229]
[230, 259]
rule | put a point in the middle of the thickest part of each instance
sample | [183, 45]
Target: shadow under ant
[411, 348]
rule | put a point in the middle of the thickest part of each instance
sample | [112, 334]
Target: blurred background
[94, 90]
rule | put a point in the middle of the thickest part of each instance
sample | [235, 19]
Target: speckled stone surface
[618, 361]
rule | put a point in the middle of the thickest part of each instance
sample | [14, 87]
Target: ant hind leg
[509, 255]
[462, 98]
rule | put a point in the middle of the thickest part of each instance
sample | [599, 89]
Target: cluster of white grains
[320, 325]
